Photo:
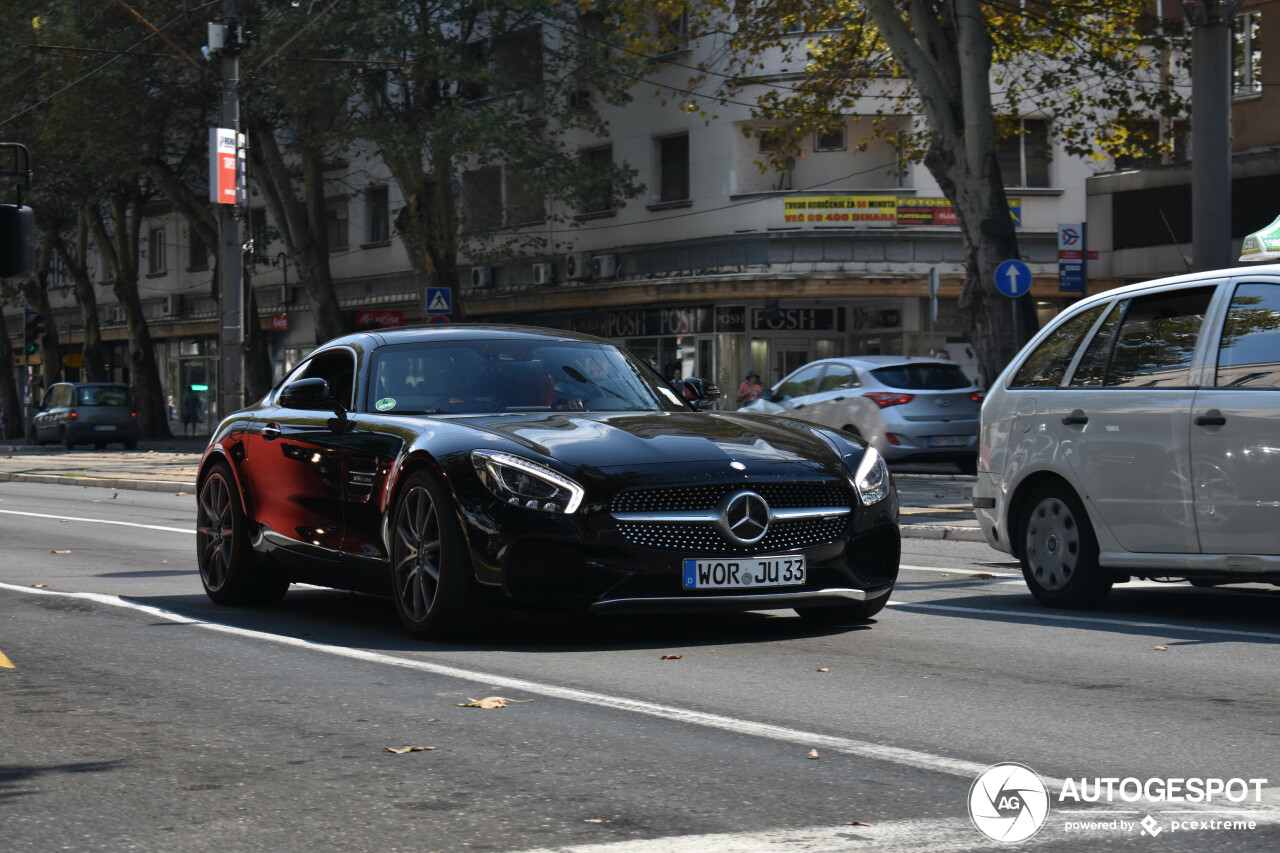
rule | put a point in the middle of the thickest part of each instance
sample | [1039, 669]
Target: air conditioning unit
[115, 314]
[604, 266]
[481, 276]
[277, 294]
[543, 273]
[577, 266]
[173, 305]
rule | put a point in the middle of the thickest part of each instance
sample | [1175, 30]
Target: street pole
[1211, 131]
[230, 248]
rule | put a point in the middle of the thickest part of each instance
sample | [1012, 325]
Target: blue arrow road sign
[1013, 278]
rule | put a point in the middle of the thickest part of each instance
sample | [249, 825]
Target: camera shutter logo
[1008, 802]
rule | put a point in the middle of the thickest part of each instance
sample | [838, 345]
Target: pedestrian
[750, 389]
[190, 412]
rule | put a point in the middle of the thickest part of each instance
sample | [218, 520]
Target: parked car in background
[97, 413]
[909, 409]
[1137, 436]
[452, 465]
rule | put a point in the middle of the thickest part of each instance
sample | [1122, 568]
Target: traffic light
[34, 330]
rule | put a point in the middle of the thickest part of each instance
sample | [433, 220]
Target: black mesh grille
[779, 495]
[705, 539]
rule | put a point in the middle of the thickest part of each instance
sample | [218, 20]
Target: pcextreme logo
[1008, 802]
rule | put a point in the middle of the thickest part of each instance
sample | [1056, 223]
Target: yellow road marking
[5, 662]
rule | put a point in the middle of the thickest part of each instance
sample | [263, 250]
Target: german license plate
[105, 427]
[743, 572]
[948, 441]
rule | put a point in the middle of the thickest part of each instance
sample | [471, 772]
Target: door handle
[1213, 418]
[1076, 418]
[271, 432]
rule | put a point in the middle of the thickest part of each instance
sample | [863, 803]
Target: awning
[1262, 245]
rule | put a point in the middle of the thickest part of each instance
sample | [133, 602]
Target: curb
[103, 482]
[909, 531]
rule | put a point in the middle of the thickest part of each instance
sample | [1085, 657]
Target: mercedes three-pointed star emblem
[743, 517]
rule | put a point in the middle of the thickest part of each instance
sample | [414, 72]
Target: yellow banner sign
[902, 211]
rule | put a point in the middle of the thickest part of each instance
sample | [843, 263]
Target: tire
[99, 445]
[131, 445]
[844, 614]
[1059, 550]
[968, 466]
[66, 439]
[435, 594]
[227, 567]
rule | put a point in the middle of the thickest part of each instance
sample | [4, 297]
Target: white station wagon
[1138, 436]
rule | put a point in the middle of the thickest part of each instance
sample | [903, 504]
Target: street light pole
[230, 249]
[1211, 22]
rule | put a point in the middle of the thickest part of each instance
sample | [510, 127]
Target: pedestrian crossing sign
[439, 300]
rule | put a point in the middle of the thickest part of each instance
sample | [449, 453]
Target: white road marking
[99, 521]
[939, 569]
[1158, 629]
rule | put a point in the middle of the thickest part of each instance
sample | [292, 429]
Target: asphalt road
[138, 716]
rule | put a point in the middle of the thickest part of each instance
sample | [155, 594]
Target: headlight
[872, 478]
[528, 484]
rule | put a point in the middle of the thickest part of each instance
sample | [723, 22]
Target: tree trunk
[121, 256]
[302, 226]
[10, 392]
[36, 289]
[428, 222]
[95, 359]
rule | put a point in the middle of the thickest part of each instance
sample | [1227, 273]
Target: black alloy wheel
[226, 562]
[434, 593]
[1059, 550]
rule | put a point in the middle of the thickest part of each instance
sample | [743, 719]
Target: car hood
[629, 439]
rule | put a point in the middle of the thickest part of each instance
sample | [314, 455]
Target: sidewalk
[935, 504]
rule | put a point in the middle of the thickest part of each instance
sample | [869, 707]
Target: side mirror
[310, 393]
[699, 391]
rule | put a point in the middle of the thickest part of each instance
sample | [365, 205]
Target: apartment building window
[155, 252]
[525, 201]
[673, 30]
[1024, 154]
[482, 197]
[197, 253]
[377, 215]
[335, 221]
[598, 161]
[673, 168]
[517, 59]
[1246, 54]
[259, 234]
[831, 139]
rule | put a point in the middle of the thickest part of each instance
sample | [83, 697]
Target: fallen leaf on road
[180, 494]
[115, 495]
[402, 750]
[824, 669]
[489, 702]
[65, 520]
[673, 657]
[595, 820]
[813, 753]
[59, 552]
[434, 720]
[1160, 649]
[986, 576]
[40, 585]
[858, 823]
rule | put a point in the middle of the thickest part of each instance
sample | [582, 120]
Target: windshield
[923, 377]
[102, 395]
[481, 376]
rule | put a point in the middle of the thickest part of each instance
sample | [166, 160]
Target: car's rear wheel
[226, 562]
[66, 439]
[845, 614]
[1059, 550]
[131, 445]
[968, 466]
[435, 594]
[99, 445]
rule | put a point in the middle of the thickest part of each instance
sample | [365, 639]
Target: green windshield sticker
[385, 404]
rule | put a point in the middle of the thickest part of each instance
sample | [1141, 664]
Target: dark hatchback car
[97, 413]
[466, 465]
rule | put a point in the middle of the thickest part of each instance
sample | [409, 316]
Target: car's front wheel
[853, 613]
[227, 568]
[435, 594]
[1059, 550]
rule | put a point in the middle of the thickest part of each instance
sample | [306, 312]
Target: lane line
[98, 521]
[1158, 629]
[915, 759]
